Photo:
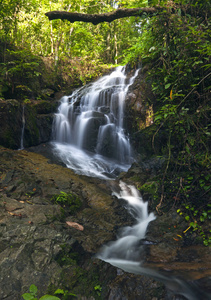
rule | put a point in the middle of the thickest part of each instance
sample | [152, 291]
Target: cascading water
[88, 131]
[126, 252]
[89, 137]
[23, 128]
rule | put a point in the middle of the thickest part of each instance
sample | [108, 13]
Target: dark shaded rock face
[10, 123]
[139, 104]
[140, 107]
[38, 122]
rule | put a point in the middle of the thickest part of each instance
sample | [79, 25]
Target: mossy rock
[45, 107]
[149, 142]
[67, 200]
[149, 187]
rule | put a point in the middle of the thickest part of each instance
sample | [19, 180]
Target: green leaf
[194, 225]
[167, 85]
[59, 291]
[187, 218]
[28, 296]
[202, 219]
[49, 297]
[33, 289]
[158, 117]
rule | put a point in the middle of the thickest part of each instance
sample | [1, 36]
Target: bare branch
[99, 18]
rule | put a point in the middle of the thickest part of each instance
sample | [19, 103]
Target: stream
[89, 137]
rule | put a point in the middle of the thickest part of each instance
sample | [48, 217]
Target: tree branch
[99, 18]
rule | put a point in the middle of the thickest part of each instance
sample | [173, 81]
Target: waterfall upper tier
[88, 129]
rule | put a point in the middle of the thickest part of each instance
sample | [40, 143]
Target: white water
[126, 252]
[88, 129]
[22, 130]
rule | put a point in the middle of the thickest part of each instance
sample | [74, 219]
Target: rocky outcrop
[38, 117]
[37, 246]
[139, 104]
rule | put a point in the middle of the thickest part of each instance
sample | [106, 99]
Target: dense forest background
[173, 44]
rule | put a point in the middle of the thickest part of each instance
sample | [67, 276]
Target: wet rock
[33, 229]
[139, 104]
[10, 123]
[38, 117]
[170, 251]
[129, 287]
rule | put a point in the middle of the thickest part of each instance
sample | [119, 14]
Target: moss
[45, 107]
[81, 282]
[69, 201]
[149, 187]
[67, 256]
[31, 133]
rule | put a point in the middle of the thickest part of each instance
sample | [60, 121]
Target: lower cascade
[88, 129]
[126, 248]
[127, 251]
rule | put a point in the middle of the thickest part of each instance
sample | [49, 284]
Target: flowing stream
[126, 252]
[88, 129]
[89, 137]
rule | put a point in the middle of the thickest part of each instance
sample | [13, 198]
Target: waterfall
[88, 129]
[23, 128]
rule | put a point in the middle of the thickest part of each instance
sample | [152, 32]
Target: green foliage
[196, 218]
[32, 295]
[65, 294]
[149, 187]
[67, 200]
[98, 289]
[176, 49]
[19, 73]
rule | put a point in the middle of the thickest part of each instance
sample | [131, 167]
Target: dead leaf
[12, 214]
[75, 225]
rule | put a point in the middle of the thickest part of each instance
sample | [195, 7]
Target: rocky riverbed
[43, 243]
